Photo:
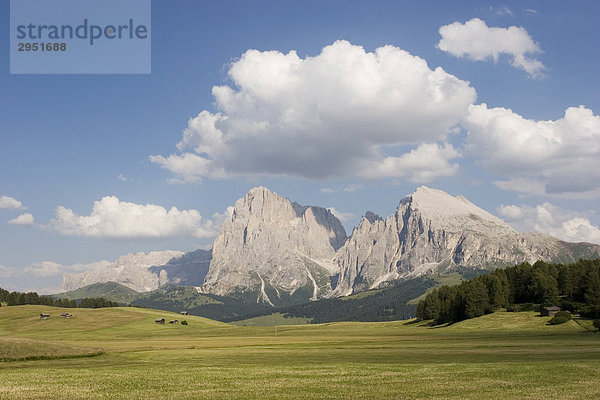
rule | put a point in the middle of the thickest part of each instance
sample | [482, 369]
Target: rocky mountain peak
[433, 231]
[271, 244]
[452, 213]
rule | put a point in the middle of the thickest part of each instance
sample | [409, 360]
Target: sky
[342, 104]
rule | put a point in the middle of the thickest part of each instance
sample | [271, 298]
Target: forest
[18, 298]
[573, 287]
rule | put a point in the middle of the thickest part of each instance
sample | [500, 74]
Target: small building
[184, 313]
[66, 315]
[44, 316]
[160, 321]
[173, 321]
[549, 311]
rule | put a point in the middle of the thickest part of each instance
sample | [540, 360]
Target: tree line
[574, 287]
[18, 299]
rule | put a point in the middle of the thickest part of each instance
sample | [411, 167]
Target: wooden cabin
[549, 311]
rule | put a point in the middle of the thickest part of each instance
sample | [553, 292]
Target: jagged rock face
[273, 249]
[133, 270]
[433, 231]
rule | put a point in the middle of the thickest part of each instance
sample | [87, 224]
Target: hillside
[109, 290]
[389, 304]
[185, 298]
[574, 287]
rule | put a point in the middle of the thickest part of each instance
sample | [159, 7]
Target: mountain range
[276, 252]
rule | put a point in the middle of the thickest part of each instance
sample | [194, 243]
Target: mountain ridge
[275, 251]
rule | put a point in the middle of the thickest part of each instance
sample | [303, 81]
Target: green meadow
[121, 353]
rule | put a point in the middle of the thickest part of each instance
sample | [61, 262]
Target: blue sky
[335, 123]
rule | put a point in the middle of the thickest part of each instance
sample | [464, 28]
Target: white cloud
[501, 11]
[353, 187]
[187, 167]
[23, 219]
[112, 218]
[478, 42]
[421, 165]
[558, 158]
[342, 216]
[341, 113]
[552, 220]
[327, 190]
[7, 272]
[9, 203]
[219, 218]
[122, 178]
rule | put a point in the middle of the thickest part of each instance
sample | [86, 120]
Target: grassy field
[500, 356]
[272, 320]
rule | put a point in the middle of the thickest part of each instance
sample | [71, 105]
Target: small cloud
[354, 187]
[122, 178]
[342, 216]
[501, 11]
[478, 42]
[327, 190]
[113, 218]
[9, 203]
[47, 269]
[8, 272]
[531, 11]
[23, 220]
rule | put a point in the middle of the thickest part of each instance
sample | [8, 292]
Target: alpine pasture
[121, 353]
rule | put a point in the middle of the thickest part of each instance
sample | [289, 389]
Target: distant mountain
[143, 272]
[109, 290]
[274, 251]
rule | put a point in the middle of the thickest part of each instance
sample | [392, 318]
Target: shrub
[560, 318]
[184, 322]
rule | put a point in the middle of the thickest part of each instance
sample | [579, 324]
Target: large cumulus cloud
[344, 112]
